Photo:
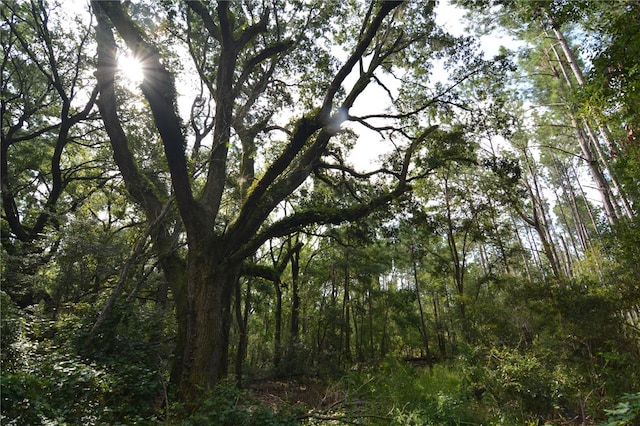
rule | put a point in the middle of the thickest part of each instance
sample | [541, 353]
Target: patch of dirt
[308, 392]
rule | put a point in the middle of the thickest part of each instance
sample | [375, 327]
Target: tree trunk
[211, 286]
[204, 292]
[423, 324]
[597, 174]
[243, 323]
[538, 220]
[587, 137]
[346, 313]
[277, 341]
[370, 324]
[295, 298]
[442, 344]
[456, 259]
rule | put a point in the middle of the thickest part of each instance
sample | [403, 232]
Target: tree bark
[277, 337]
[206, 351]
[242, 317]
[140, 188]
[346, 310]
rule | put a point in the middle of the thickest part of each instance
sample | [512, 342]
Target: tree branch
[158, 88]
[358, 53]
[140, 188]
[200, 9]
[318, 216]
[125, 270]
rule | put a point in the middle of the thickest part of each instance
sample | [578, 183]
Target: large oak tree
[281, 88]
[253, 58]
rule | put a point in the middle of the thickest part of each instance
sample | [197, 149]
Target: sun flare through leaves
[131, 69]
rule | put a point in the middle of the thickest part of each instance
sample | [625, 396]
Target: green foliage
[57, 390]
[11, 328]
[49, 378]
[625, 412]
[410, 395]
[548, 347]
[552, 350]
[527, 384]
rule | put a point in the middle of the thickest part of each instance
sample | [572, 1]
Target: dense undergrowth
[553, 353]
[48, 379]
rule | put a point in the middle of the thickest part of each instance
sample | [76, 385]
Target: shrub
[626, 412]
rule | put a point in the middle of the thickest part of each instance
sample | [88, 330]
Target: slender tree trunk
[573, 227]
[571, 199]
[587, 137]
[621, 196]
[442, 342]
[370, 320]
[538, 219]
[242, 318]
[533, 246]
[277, 340]
[458, 269]
[295, 298]
[383, 338]
[547, 247]
[596, 173]
[357, 330]
[583, 194]
[525, 259]
[346, 313]
[567, 255]
[570, 230]
[545, 222]
[423, 324]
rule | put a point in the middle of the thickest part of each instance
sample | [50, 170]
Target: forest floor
[310, 393]
[314, 400]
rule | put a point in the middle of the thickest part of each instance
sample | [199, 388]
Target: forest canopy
[301, 212]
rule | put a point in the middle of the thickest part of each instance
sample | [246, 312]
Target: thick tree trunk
[206, 352]
[204, 292]
[141, 188]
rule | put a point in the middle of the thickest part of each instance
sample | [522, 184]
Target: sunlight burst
[131, 68]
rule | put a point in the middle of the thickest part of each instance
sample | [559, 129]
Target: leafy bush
[54, 390]
[11, 326]
[410, 395]
[47, 379]
[527, 385]
[626, 412]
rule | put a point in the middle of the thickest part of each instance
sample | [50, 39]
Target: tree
[244, 54]
[47, 153]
